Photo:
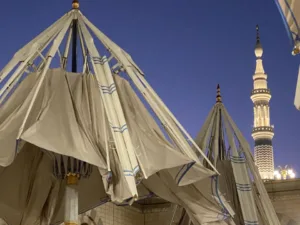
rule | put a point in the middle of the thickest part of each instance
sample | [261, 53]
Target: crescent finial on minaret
[75, 4]
[219, 97]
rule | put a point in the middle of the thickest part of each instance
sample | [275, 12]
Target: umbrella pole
[71, 200]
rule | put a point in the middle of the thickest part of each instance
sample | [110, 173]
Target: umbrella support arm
[71, 201]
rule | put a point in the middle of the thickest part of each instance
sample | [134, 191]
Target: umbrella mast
[72, 178]
[75, 6]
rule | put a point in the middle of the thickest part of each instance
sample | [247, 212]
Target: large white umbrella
[87, 130]
[239, 190]
[240, 181]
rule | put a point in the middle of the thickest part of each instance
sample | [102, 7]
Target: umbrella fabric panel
[11, 116]
[57, 128]
[290, 11]
[153, 151]
[196, 198]
[29, 192]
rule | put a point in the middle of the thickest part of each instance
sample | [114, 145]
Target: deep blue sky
[185, 48]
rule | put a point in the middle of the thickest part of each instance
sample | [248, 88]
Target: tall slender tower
[262, 132]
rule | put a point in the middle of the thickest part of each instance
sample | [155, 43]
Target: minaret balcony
[263, 129]
[261, 91]
[261, 94]
[266, 132]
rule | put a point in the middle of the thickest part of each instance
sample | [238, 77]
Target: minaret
[262, 132]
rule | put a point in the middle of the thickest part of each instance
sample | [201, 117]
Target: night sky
[185, 49]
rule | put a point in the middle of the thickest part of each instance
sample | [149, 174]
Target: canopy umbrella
[87, 131]
[239, 181]
[290, 13]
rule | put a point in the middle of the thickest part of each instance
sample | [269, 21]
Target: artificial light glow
[284, 173]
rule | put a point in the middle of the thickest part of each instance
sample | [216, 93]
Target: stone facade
[284, 194]
[111, 214]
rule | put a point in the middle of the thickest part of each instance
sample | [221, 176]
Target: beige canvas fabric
[297, 94]
[291, 13]
[265, 205]
[249, 202]
[196, 198]
[68, 118]
[30, 194]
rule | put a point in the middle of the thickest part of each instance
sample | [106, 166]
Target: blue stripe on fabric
[251, 222]
[131, 172]
[126, 173]
[292, 13]
[180, 171]
[286, 25]
[243, 187]
[136, 170]
[244, 190]
[284, 21]
[99, 60]
[225, 213]
[120, 129]
[237, 159]
[189, 166]
[109, 86]
[108, 89]
[109, 92]
[104, 60]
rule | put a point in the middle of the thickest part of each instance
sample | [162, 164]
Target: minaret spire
[219, 97]
[258, 47]
[262, 132]
[257, 35]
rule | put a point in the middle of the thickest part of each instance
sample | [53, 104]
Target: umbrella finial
[75, 4]
[219, 97]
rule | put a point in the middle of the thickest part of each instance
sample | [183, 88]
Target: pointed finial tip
[75, 4]
[219, 97]
[257, 33]
[258, 48]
